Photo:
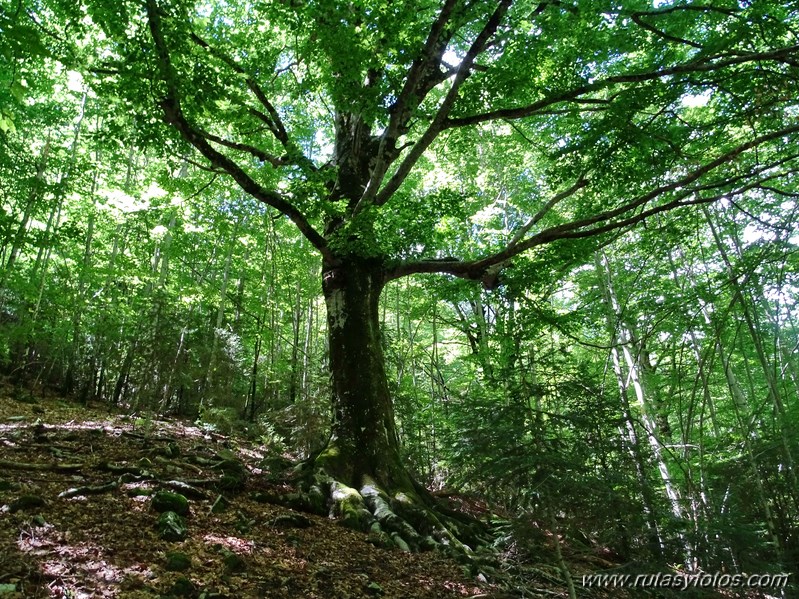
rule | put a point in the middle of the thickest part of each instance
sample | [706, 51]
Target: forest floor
[77, 520]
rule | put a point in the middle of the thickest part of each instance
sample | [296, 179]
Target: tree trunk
[360, 469]
[364, 441]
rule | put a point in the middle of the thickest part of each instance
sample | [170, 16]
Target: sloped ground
[76, 521]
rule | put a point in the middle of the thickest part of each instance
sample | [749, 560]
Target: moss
[177, 561]
[26, 502]
[349, 508]
[166, 501]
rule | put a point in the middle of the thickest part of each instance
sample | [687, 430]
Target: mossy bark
[364, 438]
[359, 476]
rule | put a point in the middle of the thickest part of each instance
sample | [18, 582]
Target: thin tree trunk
[33, 197]
[220, 316]
[625, 381]
[296, 324]
[774, 395]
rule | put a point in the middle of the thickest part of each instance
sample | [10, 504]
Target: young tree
[381, 128]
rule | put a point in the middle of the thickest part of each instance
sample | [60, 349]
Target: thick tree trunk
[359, 476]
[364, 443]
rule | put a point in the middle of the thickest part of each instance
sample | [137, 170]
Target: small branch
[581, 182]
[91, 490]
[259, 154]
[55, 467]
[272, 120]
[636, 17]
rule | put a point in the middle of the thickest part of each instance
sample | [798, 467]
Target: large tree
[397, 135]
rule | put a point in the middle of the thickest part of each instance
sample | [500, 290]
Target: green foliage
[219, 420]
[134, 271]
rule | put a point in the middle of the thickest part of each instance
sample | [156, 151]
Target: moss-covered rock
[292, 521]
[379, 538]
[26, 502]
[183, 587]
[233, 562]
[177, 561]
[166, 501]
[220, 505]
[171, 527]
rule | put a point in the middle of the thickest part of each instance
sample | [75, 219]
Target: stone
[166, 501]
[171, 527]
[177, 561]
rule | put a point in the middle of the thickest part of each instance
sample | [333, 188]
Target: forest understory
[81, 490]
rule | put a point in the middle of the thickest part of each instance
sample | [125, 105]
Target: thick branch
[437, 124]
[174, 116]
[615, 218]
[412, 94]
[574, 94]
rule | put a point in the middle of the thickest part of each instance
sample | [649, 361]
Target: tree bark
[364, 444]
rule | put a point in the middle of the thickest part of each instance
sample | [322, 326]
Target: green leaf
[18, 91]
[7, 123]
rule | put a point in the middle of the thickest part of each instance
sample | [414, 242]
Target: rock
[26, 502]
[265, 497]
[400, 542]
[166, 501]
[177, 561]
[171, 527]
[427, 543]
[220, 505]
[276, 465]
[233, 562]
[38, 521]
[230, 482]
[374, 589]
[183, 587]
[292, 521]
[379, 538]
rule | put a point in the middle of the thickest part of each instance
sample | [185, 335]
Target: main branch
[437, 124]
[627, 214]
[173, 115]
[423, 75]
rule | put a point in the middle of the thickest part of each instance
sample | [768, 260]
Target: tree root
[406, 517]
[55, 467]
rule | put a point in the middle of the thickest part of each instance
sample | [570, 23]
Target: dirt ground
[76, 518]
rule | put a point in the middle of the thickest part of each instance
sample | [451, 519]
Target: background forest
[640, 395]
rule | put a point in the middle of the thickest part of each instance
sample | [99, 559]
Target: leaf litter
[87, 529]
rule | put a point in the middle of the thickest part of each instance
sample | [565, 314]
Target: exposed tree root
[401, 514]
[56, 467]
